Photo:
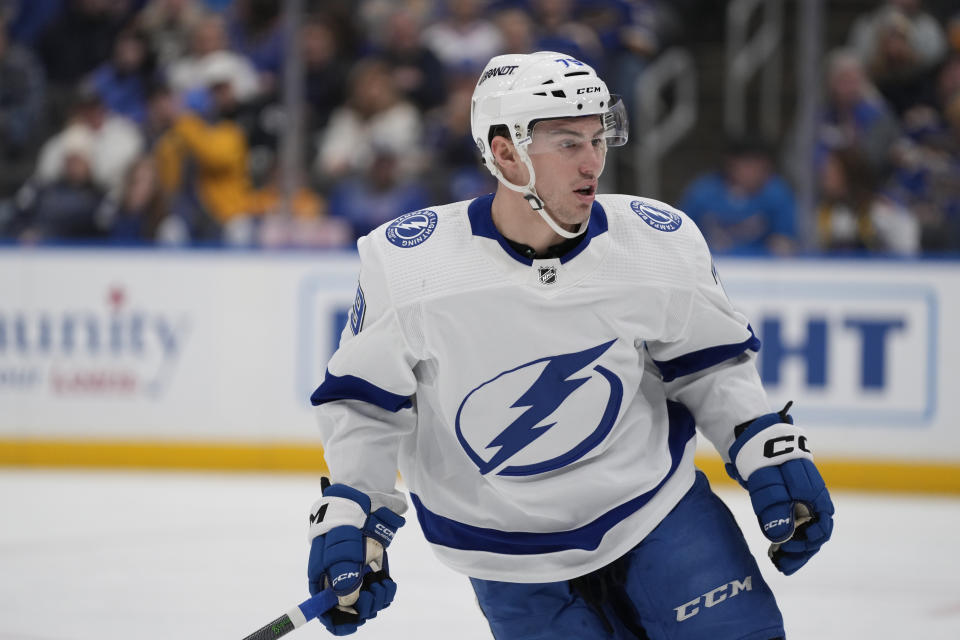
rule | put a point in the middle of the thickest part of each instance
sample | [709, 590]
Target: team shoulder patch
[659, 219]
[412, 229]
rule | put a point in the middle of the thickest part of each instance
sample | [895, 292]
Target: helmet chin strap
[529, 193]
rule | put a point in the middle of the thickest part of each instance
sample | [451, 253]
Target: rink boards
[205, 359]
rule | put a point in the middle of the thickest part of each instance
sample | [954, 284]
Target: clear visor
[573, 136]
[615, 122]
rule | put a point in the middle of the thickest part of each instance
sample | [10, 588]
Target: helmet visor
[569, 135]
[615, 122]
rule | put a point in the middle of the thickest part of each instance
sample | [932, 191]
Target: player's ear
[507, 159]
[503, 151]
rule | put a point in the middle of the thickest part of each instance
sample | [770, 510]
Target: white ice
[124, 555]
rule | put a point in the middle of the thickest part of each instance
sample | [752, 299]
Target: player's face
[568, 156]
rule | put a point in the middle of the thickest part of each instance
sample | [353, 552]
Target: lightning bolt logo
[412, 229]
[413, 226]
[551, 389]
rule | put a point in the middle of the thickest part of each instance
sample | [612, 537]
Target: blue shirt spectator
[124, 82]
[369, 200]
[745, 208]
[255, 31]
[29, 18]
[855, 114]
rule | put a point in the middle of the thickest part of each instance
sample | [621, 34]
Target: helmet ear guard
[516, 90]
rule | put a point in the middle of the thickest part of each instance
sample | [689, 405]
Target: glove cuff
[340, 506]
[382, 524]
[766, 442]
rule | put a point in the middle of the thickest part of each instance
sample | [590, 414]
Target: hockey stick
[298, 616]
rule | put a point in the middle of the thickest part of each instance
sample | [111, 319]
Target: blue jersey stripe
[446, 532]
[353, 388]
[705, 358]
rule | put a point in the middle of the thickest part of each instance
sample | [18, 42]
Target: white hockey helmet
[517, 90]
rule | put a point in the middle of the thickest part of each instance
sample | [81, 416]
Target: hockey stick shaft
[296, 617]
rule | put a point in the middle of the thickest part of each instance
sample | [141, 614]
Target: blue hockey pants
[692, 578]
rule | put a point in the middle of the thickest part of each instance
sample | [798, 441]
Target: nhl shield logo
[548, 275]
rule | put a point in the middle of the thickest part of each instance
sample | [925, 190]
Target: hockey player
[535, 362]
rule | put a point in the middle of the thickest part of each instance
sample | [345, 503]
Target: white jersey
[540, 411]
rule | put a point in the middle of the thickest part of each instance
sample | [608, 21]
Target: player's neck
[516, 221]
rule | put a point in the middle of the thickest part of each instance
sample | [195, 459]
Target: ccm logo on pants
[713, 597]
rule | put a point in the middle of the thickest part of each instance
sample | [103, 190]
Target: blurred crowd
[163, 121]
[886, 151]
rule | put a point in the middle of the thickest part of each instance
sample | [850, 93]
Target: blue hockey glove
[348, 553]
[770, 458]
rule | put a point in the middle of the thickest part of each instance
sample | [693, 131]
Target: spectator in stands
[203, 167]
[933, 182]
[124, 81]
[855, 215]
[162, 111]
[516, 27]
[22, 99]
[380, 194]
[28, 19]
[80, 38]
[208, 51]
[375, 114]
[557, 30]
[255, 31]
[142, 205]
[416, 70]
[896, 67]
[856, 115]
[927, 166]
[168, 24]
[306, 223]
[325, 71]
[117, 142]
[632, 33]
[72, 206]
[926, 34]
[457, 173]
[746, 207]
[463, 39]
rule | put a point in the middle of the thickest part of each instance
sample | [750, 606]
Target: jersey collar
[481, 224]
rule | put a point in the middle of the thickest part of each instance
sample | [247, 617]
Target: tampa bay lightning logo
[555, 422]
[412, 229]
[660, 219]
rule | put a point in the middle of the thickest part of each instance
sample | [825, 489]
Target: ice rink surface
[143, 556]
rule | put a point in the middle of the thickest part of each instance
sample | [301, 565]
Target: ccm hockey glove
[348, 554]
[771, 460]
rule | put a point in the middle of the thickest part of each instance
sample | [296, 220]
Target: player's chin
[580, 208]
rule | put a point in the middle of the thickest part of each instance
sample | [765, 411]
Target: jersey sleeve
[364, 404]
[708, 360]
